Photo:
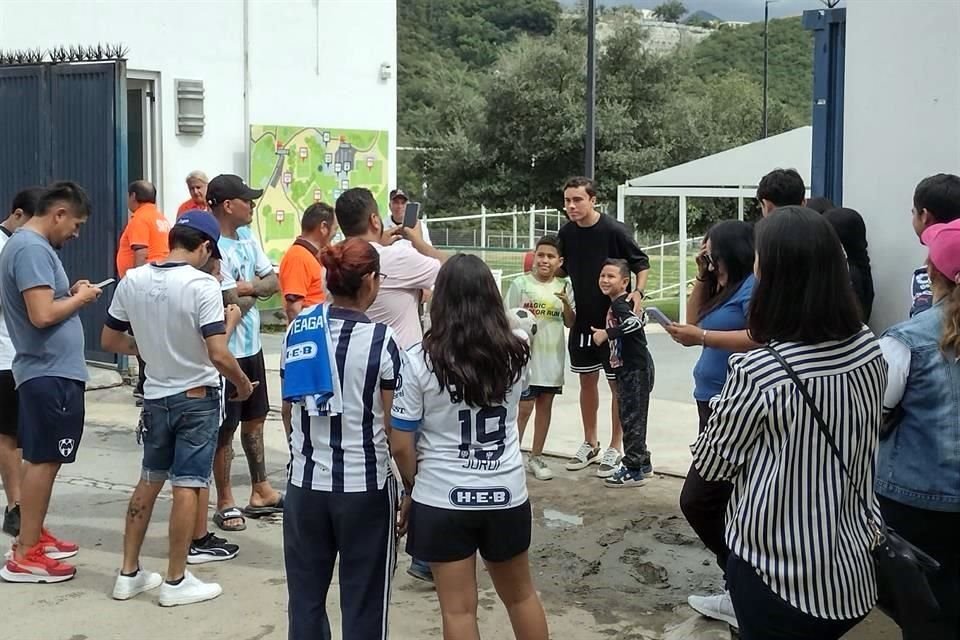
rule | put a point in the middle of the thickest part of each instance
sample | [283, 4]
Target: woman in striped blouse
[800, 541]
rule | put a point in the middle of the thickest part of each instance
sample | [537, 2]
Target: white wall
[204, 40]
[901, 124]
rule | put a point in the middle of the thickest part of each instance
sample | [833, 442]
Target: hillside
[790, 61]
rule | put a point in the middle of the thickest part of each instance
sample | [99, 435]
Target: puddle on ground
[557, 519]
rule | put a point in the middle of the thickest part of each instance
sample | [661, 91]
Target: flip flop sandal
[267, 510]
[230, 513]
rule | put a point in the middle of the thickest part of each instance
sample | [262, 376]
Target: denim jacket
[919, 462]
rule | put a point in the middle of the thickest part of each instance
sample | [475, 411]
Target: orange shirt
[147, 228]
[301, 274]
[190, 205]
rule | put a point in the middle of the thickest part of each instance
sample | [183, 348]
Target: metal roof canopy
[733, 173]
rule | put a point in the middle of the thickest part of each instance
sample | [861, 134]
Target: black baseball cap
[227, 186]
[399, 193]
[205, 223]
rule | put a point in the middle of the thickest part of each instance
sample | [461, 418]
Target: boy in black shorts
[630, 362]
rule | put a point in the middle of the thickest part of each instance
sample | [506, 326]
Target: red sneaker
[37, 567]
[56, 548]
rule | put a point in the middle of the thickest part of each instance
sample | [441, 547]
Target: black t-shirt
[628, 342]
[584, 250]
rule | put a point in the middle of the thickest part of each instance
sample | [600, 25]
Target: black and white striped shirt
[348, 453]
[794, 515]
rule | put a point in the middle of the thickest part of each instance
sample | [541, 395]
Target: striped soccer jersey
[468, 457]
[348, 452]
[243, 259]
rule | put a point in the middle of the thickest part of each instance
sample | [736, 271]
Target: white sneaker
[586, 455]
[127, 587]
[189, 590]
[715, 607]
[609, 463]
[539, 468]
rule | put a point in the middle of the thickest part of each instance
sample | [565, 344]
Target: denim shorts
[180, 438]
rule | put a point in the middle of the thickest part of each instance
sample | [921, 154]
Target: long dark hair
[470, 346]
[731, 243]
[803, 291]
[852, 232]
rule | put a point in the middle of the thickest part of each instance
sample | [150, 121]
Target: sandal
[230, 513]
[267, 510]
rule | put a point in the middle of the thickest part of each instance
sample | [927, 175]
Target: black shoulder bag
[902, 569]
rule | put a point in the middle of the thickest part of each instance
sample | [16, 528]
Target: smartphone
[659, 317]
[105, 283]
[233, 396]
[411, 214]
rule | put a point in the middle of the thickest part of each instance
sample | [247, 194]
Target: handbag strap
[822, 425]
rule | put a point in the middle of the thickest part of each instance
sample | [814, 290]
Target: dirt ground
[608, 563]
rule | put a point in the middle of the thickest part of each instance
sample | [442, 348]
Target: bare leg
[515, 588]
[616, 433]
[456, 584]
[182, 521]
[36, 490]
[203, 506]
[526, 410]
[541, 422]
[261, 492]
[11, 469]
[589, 405]
[138, 519]
[222, 461]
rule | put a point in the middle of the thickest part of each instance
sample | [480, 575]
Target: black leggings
[763, 615]
[936, 532]
[704, 503]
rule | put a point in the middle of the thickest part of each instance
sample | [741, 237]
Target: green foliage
[493, 93]
[790, 60]
[670, 11]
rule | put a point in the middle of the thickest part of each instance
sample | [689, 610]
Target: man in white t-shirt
[175, 309]
[408, 267]
[24, 206]
[398, 208]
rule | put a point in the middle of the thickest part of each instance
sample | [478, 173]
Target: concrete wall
[311, 62]
[901, 123]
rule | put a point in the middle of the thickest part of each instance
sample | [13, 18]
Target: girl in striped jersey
[341, 498]
[799, 539]
[456, 443]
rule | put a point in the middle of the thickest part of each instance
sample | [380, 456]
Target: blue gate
[68, 122]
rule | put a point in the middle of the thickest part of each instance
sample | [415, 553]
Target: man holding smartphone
[176, 310]
[398, 209]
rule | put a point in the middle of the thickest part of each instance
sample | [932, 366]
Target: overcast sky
[747, 10]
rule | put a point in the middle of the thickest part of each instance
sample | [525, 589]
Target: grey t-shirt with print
[27, 262]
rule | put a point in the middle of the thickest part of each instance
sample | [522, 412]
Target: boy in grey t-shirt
[40, 311]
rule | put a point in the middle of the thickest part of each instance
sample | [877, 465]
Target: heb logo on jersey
[476, 498]
[302, 351]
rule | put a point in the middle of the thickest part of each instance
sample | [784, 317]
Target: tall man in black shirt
[589, 239]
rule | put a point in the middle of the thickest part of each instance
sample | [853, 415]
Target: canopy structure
[734, 173]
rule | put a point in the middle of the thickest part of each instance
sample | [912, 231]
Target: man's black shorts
[51, 419]
[8, 404]
[257, 406]
[585, 356]
[448, 535]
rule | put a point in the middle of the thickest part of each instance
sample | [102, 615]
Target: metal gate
[67, 122]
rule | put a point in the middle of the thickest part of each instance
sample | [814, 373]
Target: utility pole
[766, 50]
[591, 129]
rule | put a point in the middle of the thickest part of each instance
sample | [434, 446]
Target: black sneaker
[11, 521]
[211, 548]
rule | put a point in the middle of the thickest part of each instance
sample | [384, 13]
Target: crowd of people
[407, 385]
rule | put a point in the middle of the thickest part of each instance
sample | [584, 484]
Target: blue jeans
[180, 438]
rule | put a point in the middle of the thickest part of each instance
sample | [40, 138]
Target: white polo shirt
[171, 308]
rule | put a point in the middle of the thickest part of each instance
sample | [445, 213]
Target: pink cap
[943, 240]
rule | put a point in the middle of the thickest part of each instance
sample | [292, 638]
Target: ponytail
[950, 342]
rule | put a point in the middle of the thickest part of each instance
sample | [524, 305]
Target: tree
[670, 11]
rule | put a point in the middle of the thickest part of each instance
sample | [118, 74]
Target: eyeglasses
[381, 276]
